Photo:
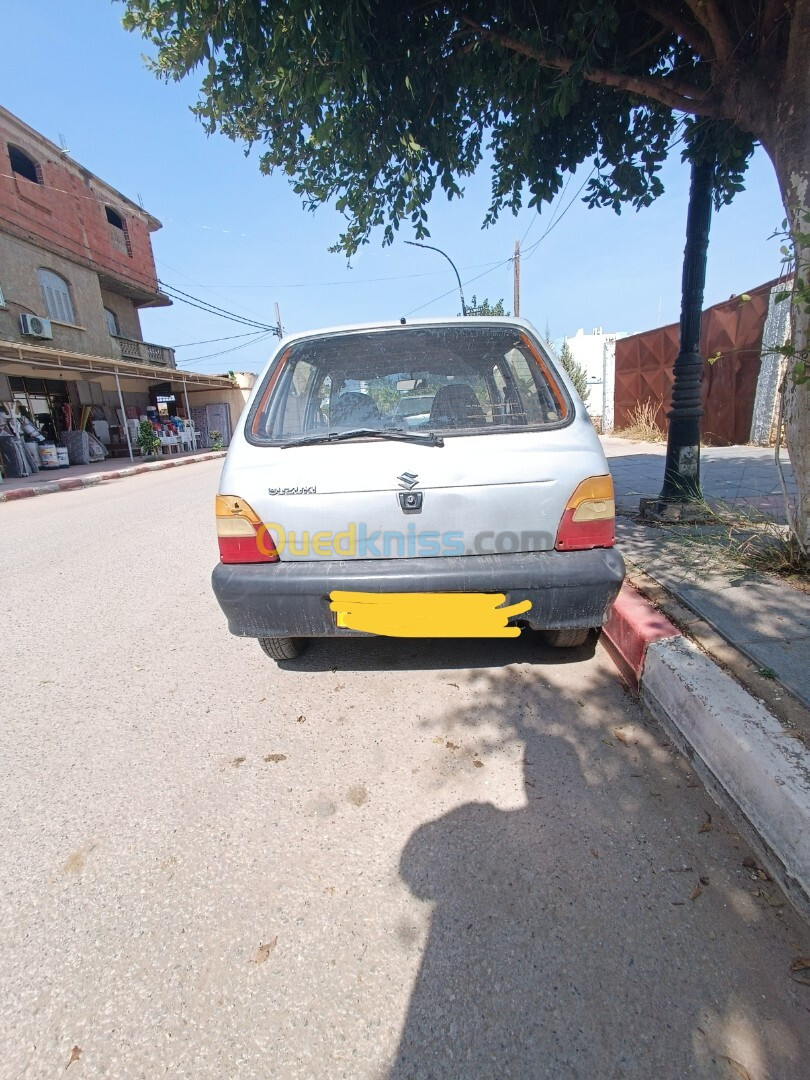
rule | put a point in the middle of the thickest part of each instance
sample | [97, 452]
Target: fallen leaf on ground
[478, 764]
[264, 951]
[607, 742]
[276, 757]
[302, 719]
[594, 852]
[75, 1054]
[706, 827]
[739, 1069]
[438, 739]
[237, 761]
[623, 736]
[800, 970]
[451, 745]
[695, 893]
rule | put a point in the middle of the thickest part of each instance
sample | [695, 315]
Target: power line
[553, 224]
[353, 281]
[212, 309]
[208, 288]
[223, 352]
[210, 341]
[556, 209]
[469, 281]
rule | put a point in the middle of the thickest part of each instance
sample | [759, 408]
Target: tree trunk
[787, 143]
[797, 394]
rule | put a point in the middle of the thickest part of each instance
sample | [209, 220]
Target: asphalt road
[397, 859]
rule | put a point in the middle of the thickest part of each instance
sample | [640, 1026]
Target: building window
[56, 292]
[119, 233]
[112, 322]
[23, 165]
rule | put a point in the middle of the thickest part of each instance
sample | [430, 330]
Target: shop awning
[38, 361]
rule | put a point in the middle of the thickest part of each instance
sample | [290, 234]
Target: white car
[338, 515]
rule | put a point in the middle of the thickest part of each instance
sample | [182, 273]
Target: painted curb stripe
[633, 625]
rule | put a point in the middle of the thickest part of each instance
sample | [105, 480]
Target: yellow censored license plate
[439, 615]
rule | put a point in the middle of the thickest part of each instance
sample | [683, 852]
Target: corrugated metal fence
[734, 330]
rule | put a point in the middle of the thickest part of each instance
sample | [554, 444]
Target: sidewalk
[47, 482]
[764, 617]
[731, 691]
[744, 476]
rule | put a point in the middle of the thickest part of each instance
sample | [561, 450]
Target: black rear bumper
[291, 599]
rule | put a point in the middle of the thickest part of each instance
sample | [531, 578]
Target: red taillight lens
[242, 536]
[589, 517]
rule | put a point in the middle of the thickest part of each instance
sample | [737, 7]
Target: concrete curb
[73, 483]
[746, 758]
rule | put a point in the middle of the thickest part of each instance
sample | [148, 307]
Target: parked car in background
[435, 478]
[414, 409]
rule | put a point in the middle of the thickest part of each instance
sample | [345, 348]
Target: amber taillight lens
[242, 536]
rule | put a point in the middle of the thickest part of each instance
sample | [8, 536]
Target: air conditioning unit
[35, 326]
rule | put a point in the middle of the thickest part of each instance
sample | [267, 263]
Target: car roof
[403, 324]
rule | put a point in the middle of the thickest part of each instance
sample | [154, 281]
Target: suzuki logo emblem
[408, 480]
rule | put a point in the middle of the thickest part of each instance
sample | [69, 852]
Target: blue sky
[243, 241]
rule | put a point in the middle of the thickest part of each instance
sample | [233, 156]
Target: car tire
[282, 648]
[567, 638]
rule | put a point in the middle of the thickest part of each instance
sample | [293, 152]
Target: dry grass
[642, 426]
[746, 539]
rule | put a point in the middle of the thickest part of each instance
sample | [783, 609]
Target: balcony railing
[146, 353]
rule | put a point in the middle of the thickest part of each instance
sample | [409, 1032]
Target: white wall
[590, 353]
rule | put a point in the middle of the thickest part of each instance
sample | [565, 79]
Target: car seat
[353, 410]
[455, 405]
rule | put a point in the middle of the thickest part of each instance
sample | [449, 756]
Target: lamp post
[413, 243]
[682, 466]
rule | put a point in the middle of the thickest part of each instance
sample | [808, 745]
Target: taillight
[589, 516]
[243, 538]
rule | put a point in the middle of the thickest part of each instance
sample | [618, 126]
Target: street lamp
[413, 243]
[682, 467]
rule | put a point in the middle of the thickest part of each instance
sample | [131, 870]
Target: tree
[377, 103]
[576, 372]
[485, 308]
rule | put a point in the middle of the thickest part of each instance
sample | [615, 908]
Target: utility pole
[279, 328]
[682, 467]
[413, 243]
[516, 266]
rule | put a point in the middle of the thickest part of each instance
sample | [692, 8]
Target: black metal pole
[682, 468]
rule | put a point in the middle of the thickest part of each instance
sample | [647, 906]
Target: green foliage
[797, 268]
[384, 395]
[576, 372]
[485, 308]
[375, 105]
[216, 440]
[147, 439]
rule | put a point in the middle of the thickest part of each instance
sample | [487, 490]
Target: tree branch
[774, 9]
[672, 93]
[690, 33]
[710, 18]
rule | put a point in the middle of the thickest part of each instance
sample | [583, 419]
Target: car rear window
[451, 380]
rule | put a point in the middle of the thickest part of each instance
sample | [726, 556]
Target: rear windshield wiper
[430, 437]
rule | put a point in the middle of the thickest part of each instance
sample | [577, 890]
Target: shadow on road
[423, 654]
[563, 941]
